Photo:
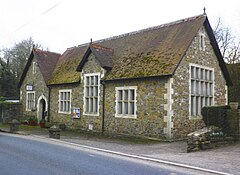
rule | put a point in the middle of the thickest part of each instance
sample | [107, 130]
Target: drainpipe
[48, 113]
[103, 106]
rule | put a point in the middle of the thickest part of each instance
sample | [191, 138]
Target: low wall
[222, 127]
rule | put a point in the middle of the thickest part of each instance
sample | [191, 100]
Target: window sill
[196, 117]
[91, 115]
[126, 116]
[60, 112]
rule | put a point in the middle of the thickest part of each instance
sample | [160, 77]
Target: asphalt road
[22, 156]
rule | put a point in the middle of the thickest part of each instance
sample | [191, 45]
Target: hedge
[216, 116]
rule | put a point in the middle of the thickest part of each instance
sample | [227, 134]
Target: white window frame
[27, 99]
[85, 97]
[128, 101]
[201, 89]
[69, 101]
[34, 67]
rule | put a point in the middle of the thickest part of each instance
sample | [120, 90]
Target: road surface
[20, 155]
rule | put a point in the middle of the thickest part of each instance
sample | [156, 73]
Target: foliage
[233, 91]
[32, 120]
[216, 116]
[42, 120]
[12, 63]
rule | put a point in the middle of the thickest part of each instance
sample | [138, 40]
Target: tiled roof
[46, 61]
[102, 54]
[65, 71]
[155, 51]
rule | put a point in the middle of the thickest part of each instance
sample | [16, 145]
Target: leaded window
[201, 88]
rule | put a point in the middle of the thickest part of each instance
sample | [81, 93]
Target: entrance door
[42, 108]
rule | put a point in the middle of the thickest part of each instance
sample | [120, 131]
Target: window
[126, 102]
[202, 42]
[65, 101]
[30, 101]
[91, 94]
[34, 67]
[201, 88]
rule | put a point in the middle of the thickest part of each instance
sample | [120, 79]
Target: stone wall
[150, 108]
[39, 87]
[183, 123]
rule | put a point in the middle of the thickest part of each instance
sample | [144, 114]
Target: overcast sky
[60, 24]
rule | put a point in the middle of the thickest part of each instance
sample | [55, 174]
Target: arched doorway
[42, 108]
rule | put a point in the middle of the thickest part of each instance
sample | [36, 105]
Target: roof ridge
[141, 30]
[46, 51]
[150, 28]
[98, 46]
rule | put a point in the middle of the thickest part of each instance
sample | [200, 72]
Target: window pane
[210, 89]
[206, 87]
[202, 102]
[206, 74]
[197, 105]
[197, 73]
[92, 80]
[125, 108]
[202, 89]
[206, 101]
[210, 76]
[197, 87]
[125, 94]
[95, 91]
[91, 91]
[87, 92]
[132, 94]
[192, 87]
[87, 80]
[87, 105]
[120, 92]
[91, 105]
[120, 108]
[132, 108]
[202, 72]
[192, 72]
[210, 101]
[95, 105]
[192, 105]
[96, 80]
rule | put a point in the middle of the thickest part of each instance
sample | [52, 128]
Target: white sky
[74, 22]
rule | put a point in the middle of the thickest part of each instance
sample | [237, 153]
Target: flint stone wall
[183, 122]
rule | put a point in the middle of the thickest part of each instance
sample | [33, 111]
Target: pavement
[222, 160]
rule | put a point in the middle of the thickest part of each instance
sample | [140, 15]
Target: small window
[65, 101]
[34, 67]
[126, 102]
[30, 101]
[202, 42]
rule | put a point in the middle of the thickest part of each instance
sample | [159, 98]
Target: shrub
[216, 116]
[32, 121]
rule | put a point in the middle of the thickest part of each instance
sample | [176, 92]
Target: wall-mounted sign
[29, 87]
[76, 113]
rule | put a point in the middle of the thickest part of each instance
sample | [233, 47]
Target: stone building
[150, 83]
[34, 93]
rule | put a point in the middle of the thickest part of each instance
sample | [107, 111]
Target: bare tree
[17, 56]
[12, 63]
[229, 45]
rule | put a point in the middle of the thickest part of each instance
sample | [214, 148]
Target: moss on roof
[155, 51]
